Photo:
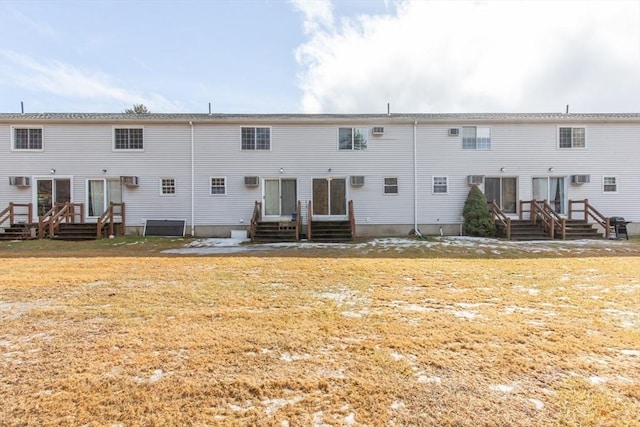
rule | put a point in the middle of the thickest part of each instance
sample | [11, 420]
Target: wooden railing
[58, 214]
[255, 218]
[498, 215]
[590, 212]
[298, 220]
[352, 220]
[554, 224]
[309, 220]
[108, 219]
[10, 213]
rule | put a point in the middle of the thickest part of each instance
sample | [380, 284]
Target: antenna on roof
[209, 108]
[22, 107]
[388, 109]
[567, 112]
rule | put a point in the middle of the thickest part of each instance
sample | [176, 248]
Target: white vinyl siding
[27, 139]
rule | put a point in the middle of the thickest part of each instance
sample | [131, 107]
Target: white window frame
[386, 186]
[476, 146]
[255, 138]
[573, 147]
[433, 184]
[28, 127]
[605, 184]
[171, 185]
[224, 185]
[126, 150]
[363, 130]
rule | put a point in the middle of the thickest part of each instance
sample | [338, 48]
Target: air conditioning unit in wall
[357, 181]
[130, 181]
[475, 179]
[580, 179]
[454, 131]
[251, 181]
[20, 181]
[378, 130]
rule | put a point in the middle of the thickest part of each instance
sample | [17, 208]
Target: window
[571, 137]
[128, 139]
[352, 139]
[255, 138]
[167, 186]
[476, 138]
[440, 184]
[218, 186]
[504, 191]
[27, 139]
[610, 184]
[390, 185]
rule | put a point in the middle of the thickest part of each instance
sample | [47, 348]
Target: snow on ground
[482, 245]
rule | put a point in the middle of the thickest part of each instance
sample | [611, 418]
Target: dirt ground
[385, 333]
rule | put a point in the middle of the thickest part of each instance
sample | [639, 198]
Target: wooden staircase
[331, 231]
[275, 231]
[523, 230]
[577, 229]
[20, 232]
[76, 231]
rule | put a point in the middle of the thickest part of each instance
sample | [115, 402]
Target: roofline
[399, 118]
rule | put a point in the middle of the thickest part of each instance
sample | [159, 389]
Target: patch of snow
[432, 380]
[155, 377]
[537, 403]
[630, 352]
[351, 314]
[597, 380]
[501, 388]
[398, 404]
[468, 315]
[350, 419]
[272, 405]
[396, 356]
[294, 357]
[317, 420]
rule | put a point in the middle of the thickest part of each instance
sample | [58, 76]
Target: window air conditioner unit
[580, 179]
[129, 181]
[475, 179]
[454, 131]
[357, 181]
[378, 130]
[20, 181]
[251, 181]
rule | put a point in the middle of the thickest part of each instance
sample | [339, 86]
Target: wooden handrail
[43, 221]
[10, 213]
[352, 220]
[108, 218]
[309, 220]
[497, 214]
[298, 220]
[255, 218]
[590, 211]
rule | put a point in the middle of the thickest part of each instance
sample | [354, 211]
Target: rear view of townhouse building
[316, 176]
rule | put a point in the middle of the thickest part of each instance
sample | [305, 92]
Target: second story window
[27, 139]
[570, 137]
[390, 185]
[128, 139]
[255, 138]
[352, 139]
[476, 138]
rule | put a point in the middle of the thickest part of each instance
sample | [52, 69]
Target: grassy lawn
[335, 339]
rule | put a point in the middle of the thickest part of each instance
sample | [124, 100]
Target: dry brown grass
[319, 341]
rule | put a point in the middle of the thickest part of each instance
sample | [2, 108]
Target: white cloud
[439, 56]
[68, 81]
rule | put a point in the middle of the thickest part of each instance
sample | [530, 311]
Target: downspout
[415, 181]
[193, 181]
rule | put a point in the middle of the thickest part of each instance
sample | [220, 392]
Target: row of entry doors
[100, 192]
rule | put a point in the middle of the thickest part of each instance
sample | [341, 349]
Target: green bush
[477, 216]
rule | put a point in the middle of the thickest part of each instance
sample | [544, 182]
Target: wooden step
[331, 231]
[19, 232]
[76, 232]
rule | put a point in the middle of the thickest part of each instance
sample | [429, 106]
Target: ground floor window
[50, 191]
[440, 184]
[609, 184]
[390, 185]
[167, 186]
[504, 190]
[218, 186]
[100, 193]
[329, 196]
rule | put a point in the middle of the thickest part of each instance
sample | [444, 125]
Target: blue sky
[279, 56]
